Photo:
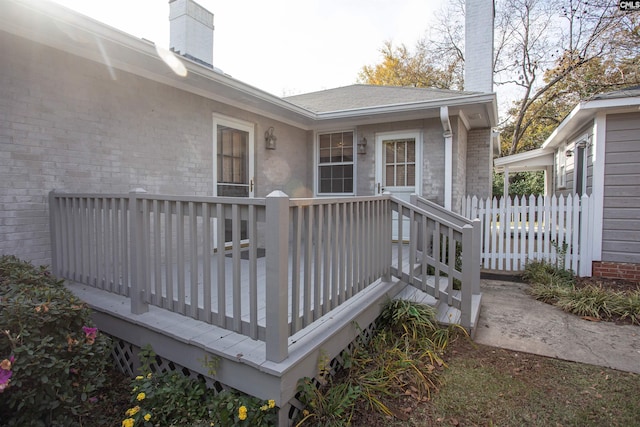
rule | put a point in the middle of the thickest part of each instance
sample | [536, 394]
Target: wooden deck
[149, 267]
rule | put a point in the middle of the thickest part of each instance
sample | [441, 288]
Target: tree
[564, 51]
[550, 53]
[400, 67]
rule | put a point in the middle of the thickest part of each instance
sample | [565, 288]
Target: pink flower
[90, 332]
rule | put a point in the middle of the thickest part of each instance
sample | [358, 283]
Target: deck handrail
[201, 256]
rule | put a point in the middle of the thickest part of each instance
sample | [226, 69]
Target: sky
[284, 47]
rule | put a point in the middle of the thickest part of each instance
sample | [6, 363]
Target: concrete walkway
[512, 319]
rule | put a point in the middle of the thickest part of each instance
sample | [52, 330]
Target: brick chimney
[478, 42]
[191, 31]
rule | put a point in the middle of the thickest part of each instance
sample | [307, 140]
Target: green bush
[170, 398]
[59, 360]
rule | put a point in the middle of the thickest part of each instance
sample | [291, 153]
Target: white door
[233, 168]
[398, 169]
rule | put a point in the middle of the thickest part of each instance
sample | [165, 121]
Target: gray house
[596, 151]
[264, 238]
[86, 107]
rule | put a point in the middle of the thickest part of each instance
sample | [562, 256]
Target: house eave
[532, 160]
[586, 111]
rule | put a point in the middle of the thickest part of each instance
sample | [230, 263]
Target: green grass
[487, 386]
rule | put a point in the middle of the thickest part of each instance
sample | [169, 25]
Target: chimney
[478, 42]
[191, 31]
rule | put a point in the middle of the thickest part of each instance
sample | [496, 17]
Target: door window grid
[335, 164]
[400, 162]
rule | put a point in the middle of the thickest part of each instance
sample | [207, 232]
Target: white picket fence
[518, 230]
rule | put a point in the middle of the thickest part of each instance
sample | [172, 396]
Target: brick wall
[616, 270]
[479, 163]
[74, 125]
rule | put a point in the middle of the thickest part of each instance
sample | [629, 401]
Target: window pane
[348, 185]
[389, 178]
[400, 177]
[325, 186]
[325, 141]
[233, 159]
[411, 151]
[389, 152]
[325, 155]
[401, 149]
[411, 175]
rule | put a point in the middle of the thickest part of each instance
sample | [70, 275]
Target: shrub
[169, 398]
[401, 359]
[59, 360]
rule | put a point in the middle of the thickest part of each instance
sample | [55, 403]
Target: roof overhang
[585, 112]
[66, 30]
[533, 160]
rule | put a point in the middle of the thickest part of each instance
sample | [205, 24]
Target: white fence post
[138, 292]
[277, 263]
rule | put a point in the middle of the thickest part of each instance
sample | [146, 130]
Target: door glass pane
[400, 163]
[233, 162]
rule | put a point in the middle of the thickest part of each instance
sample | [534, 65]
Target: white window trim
[316, 162]
[584, 139]
[417, 134]
[561, 168]
[240, 125]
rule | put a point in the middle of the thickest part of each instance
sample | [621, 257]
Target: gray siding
[74, 125]
[621, 219]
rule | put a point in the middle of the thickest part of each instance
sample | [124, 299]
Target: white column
[448, 157]
[597, 190]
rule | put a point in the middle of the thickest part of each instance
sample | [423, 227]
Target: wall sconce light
[362, 146]
[270, 139]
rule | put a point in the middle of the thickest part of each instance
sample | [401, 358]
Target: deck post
[277, 263]
[138, 264]
[470, 270]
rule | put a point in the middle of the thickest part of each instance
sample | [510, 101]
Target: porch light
[362, 146]
[270, 139]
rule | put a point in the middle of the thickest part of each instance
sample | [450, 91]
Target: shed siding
[71, 124]
[621, 217]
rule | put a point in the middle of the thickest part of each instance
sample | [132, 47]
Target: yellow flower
[305, 413]
[242, 413]
[272, 404]
[128, 422]
[139, 377]
[132, 411]
[147, 417]
[141, 396]
[149, 375]
[264, 407]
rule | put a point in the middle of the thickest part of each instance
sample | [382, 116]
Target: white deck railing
[265, 268]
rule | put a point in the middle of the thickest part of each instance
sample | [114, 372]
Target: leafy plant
[170, 398]
[401, 359]
[553, 285]
[58, 360]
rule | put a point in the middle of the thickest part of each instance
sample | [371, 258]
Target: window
[562, 166]
[400, 162]
[335, 163]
